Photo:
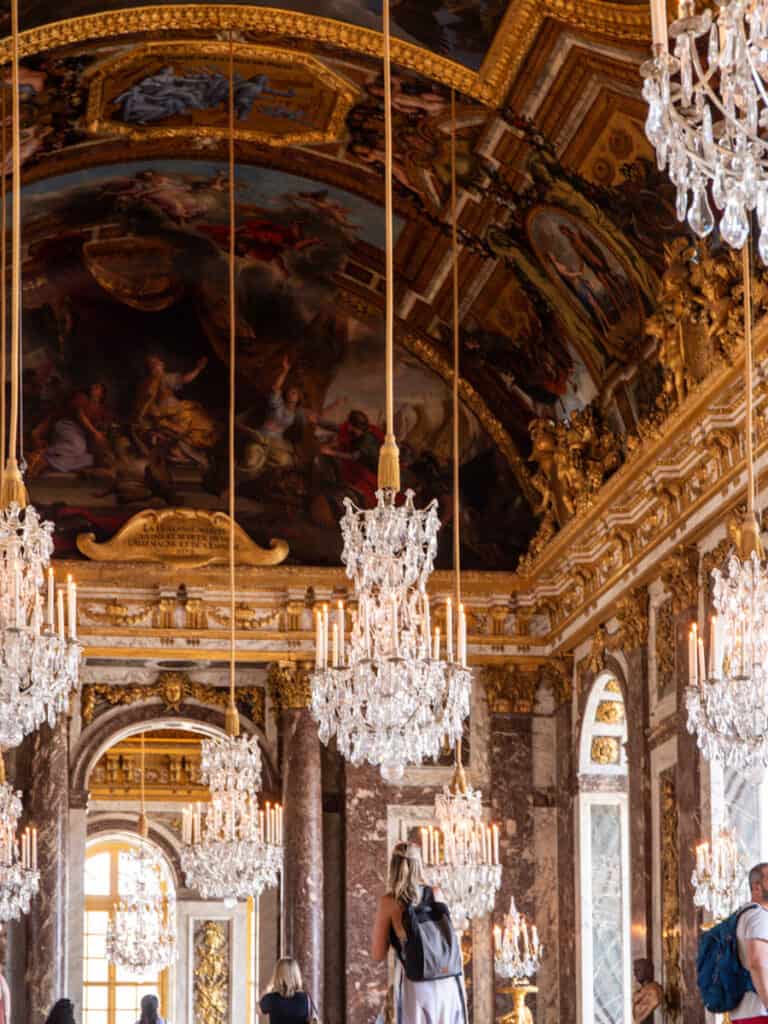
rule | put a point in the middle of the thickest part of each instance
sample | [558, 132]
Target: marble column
[302, 890]
[48, 920]
[512, 807]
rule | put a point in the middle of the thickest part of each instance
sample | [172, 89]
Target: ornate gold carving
[248, 618]
[173, 689]
[680, 574]
[597, 651]
[605, 750]
[117, 614]
[632, 614]
[558, 674]
[212, 969]
[665, 648]
[289, 686]
[670, 896]
[510, 689]
[269, 59]
[610, 712]
[573, 461]
[612, 686]
[184, 538]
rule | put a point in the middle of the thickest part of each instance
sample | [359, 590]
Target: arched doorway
[602, 875]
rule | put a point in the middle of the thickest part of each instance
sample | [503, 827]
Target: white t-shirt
[753, 924]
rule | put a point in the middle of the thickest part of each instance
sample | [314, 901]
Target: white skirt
[429, 1002]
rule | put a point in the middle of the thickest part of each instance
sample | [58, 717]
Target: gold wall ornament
[610, 712]
[312, 99]
[605, 750]
[558, 674]
[173, 689]
[597, 651]
[665, 648]
[510, 689]
[247, 618]
[632, 616]
[182, 538]
[670, 897]
[211, 972]
[289, 685]
[680, 576]
[119, 615]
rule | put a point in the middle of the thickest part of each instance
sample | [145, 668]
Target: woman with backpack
[412, 919]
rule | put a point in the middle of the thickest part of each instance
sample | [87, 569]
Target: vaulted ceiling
[562, 221]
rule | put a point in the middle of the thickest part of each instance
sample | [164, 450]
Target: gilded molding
[173, 689]
[632, 615]
[680, 576]
[510, 689]
[670, 896]
[665, 648]
[289, 686]
[242, 18]
[212, 972]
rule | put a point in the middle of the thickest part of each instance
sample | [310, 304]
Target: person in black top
[285, 1001]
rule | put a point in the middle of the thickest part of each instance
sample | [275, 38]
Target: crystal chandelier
[234, 849]
[19, 877]
[386, 696]
[720, 875]
[39, 652]
[707, 112]
[461, 856]
[517, 950]
[141, 931]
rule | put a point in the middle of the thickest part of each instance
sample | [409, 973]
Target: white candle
[427, 623]
[497, 938]
[34, 849]
[280, 824]
[702, 670]
[262, 827]
[325, 636]
[318, 640]
[659, 23]
[341, 631]
[60, 611]
[535, 940]
[692, 656]
[424, 845]
[449, 629]
[51, 597]
[462, 636]
[496, 844]
[73, 618]
[335, 645]
[436, 650]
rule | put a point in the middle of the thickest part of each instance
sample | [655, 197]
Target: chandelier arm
[389, 457]
[232, 720]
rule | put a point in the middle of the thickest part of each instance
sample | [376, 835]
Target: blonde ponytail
[405, 873]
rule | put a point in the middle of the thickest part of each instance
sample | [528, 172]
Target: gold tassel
[13, 489]
[143, 826]
[2, 768]
[389, 465]
[749, 538]
[232, 721]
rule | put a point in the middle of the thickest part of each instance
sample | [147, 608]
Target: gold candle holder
[520, 1013]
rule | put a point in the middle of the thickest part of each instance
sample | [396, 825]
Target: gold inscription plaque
[186, 538]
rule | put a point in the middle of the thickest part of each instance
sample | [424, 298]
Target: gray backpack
[432, 948]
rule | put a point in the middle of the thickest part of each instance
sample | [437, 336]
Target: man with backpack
[732, 965]
[752, 939]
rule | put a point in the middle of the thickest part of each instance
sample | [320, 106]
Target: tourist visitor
[62, 1012]
[410, 918]
[150, 1011]
[285, 1000]
[752, 936]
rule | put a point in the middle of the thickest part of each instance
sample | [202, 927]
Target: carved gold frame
[519, 27]
[345, 93]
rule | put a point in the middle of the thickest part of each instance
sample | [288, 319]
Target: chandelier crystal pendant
[233, 849]
[141, 931]
[386, 695]
[707, 114]
[39, 651]
[461, 856]
[19, 876]
[517, 950]
[719, 878]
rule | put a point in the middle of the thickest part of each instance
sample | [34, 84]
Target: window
[110, 996]
[603, 876]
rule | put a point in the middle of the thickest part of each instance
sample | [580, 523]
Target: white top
[753, 924]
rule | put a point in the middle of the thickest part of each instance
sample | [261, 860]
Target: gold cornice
[243, 18]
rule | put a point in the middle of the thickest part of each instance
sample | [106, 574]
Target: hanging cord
[232, 719]
[459, 780]
[750, 533]
[389, 456]
[3, 290]
[13, 489]
[143, 823]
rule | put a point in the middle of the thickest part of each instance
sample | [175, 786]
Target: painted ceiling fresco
[125, 232]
